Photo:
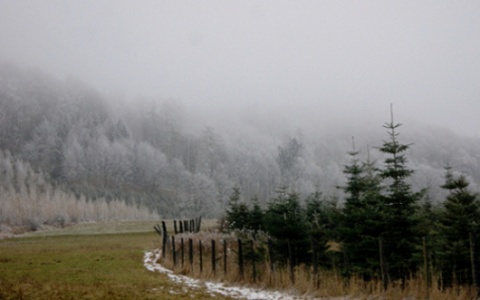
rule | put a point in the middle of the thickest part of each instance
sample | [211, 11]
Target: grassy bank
[79, 263]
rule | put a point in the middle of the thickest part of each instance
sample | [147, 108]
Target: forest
[64, 138]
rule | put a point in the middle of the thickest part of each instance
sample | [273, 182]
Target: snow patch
[151, 263]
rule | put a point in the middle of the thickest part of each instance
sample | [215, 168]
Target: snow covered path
[151, 263]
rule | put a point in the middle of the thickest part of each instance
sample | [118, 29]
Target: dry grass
[304, 282]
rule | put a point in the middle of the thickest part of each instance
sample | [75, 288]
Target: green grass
[63, 265]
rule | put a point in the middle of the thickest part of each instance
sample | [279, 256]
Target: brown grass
[324, 285]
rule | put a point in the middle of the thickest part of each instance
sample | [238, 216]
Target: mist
[313, 64]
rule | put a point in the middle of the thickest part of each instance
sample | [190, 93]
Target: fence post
[213, 257]
[174, 254]
[182, 250]
[164, 238]
[200, 250]
[225, 257]
[199, 222]
[190, 251]
[240, 257]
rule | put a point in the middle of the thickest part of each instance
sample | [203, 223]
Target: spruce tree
[399, 201]
[459, 219]
[361, 221]
[238, 215]
[321, 221]
[285, 221]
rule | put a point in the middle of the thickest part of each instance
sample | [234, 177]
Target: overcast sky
[317, 59]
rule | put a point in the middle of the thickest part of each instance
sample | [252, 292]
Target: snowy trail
[151, 263]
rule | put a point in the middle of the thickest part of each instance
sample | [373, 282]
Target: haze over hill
[178, 161]
[170, 105]
[304, 62]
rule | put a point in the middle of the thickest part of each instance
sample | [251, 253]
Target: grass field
[90, 261]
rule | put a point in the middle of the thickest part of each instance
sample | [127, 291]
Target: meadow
[88, 261]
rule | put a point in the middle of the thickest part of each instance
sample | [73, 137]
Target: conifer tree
[285, 222]
[321, 222]
[361, 221]
[237, 212]
[459, 219]
[256, 216]
[399, 201]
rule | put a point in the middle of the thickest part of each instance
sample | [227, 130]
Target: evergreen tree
[459, 219]
[362, 219]
[399, 236]
[238, 215]
[321, 222]
[256, 214]
[285, 222]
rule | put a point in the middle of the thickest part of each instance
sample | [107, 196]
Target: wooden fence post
[182, 250]
[158, 229]
[174, 254]
[213, 257]
[190, 251]
[164, 238]
[199, 222]
[240, 257]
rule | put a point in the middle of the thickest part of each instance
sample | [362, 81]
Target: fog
[306, 62]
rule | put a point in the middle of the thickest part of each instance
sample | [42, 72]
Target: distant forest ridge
[164, 156]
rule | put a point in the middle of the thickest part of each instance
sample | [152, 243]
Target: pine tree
[459, 220]
[238, 215]
[399, 236]
[361, 221]
[285, 222]
[256, 214]
[321, 221]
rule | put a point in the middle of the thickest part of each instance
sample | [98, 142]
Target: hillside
[180, 161]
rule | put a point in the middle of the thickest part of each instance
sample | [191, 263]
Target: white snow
[151, 263]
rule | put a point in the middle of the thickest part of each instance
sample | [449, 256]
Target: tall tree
[399, 236]
[285, 221]
[459, 219]
[362, 220]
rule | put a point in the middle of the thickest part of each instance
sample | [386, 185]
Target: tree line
[384, 231]
[164, 156]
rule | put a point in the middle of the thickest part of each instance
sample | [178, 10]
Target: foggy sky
[308, 60]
